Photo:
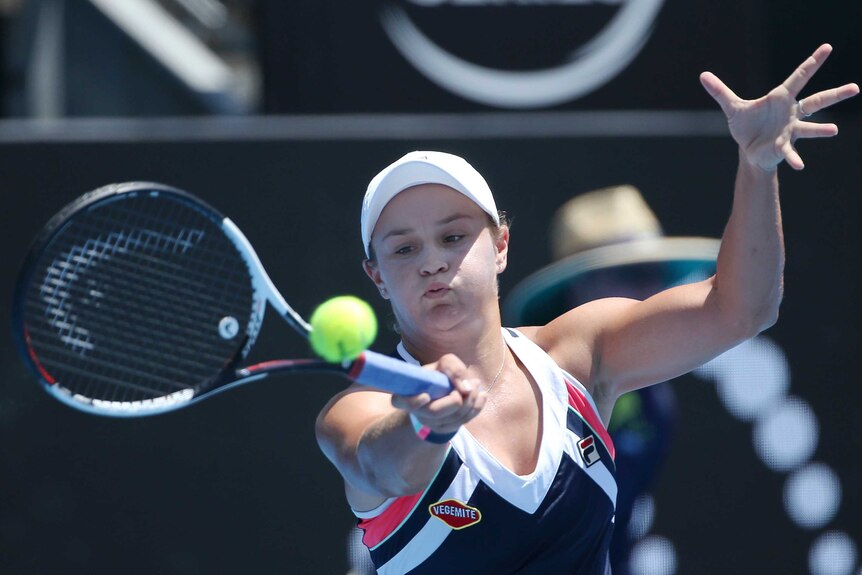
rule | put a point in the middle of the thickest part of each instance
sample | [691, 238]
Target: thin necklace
[499, 371]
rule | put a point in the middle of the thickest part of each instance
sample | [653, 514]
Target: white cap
[423, 168]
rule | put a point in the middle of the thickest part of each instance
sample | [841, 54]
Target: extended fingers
[812, 130]
[719, 92]
[800, 77]
[826, 98]
[791, 156]
[805, 130]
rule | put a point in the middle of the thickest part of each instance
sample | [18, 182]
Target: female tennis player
[513, 472]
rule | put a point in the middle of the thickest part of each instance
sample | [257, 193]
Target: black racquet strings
[136, 297]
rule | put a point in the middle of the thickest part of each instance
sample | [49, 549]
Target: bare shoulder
[573, 339]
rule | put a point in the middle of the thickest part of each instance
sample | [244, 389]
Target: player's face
[437, 259]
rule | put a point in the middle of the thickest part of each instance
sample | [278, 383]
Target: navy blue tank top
[479, 517]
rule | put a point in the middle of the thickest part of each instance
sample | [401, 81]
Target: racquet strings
[138, 297]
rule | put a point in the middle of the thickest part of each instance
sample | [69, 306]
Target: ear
[372, 272]
[501, 243]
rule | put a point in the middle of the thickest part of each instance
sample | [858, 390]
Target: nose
[433, 263]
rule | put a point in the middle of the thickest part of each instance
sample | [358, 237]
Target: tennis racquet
[139, 298]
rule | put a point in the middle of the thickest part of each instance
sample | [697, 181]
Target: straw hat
[610, 228]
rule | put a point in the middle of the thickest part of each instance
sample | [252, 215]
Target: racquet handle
[399, 377]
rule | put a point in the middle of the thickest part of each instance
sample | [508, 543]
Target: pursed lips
[436, 290]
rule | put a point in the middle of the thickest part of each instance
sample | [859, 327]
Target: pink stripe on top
[582, 405]
[382, 526]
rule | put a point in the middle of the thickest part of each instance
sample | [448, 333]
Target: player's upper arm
[340, 426]
[618, 344]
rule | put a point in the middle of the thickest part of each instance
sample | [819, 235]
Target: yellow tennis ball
[342, 328]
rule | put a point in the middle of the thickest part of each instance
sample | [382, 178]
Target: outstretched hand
[767, 128]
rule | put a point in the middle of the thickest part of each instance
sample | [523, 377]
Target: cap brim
[543, 295]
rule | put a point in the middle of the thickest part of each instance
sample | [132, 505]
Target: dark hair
[505, 221]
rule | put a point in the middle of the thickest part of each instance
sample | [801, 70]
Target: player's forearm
[749, 277]
[394, 460]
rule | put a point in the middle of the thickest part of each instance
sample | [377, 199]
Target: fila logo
[587, 446]
[455, 514]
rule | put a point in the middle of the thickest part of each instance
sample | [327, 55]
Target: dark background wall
[324, 57]
[236, 484]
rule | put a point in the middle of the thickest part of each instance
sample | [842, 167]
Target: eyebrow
[443, 222]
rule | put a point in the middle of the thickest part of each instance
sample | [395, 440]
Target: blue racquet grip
[399, 377]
